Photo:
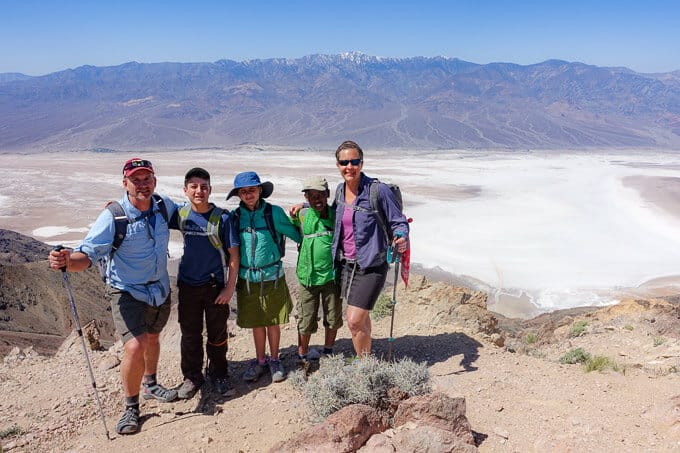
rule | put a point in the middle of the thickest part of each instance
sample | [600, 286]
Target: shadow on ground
[428, 349]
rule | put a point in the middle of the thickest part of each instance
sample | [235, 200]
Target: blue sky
[39, 37]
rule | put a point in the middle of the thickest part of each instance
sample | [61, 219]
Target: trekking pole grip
[59, 248]
[397, 258]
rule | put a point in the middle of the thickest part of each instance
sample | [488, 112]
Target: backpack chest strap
[318, 234]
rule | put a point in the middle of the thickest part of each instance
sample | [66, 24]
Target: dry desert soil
[519, 396]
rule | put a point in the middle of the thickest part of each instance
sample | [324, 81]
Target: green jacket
[315, 259]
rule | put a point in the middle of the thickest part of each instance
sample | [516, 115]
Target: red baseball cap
[135, 164]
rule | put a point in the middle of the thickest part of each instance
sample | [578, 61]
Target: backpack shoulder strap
[120, 222]
[182, 216]
[213, 229]
[213, 232]
[161, 206]
[373, 194]
[339, 194]
[373, 190]
[236, 215]
[279, 239]
[301, 219]
[340, 199]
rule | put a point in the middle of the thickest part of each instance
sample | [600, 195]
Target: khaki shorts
[133, 318]
[309, 298]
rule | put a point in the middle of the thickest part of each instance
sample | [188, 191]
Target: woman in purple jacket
[360, 243]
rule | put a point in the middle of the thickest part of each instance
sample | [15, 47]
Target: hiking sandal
[129, 422]
[160, 393]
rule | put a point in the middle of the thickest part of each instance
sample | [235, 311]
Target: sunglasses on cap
[137, 163]
[346, 162]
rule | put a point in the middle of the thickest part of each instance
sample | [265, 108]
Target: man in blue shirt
[206, 282]
[138, 283]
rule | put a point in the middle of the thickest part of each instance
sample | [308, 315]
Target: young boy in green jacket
[315, 270]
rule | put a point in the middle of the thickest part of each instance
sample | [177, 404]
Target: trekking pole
[397, 261]
[67, 285]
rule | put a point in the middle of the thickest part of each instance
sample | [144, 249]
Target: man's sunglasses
[137, 163]
[346, 162]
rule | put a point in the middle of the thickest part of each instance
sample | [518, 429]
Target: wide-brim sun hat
[250, 179]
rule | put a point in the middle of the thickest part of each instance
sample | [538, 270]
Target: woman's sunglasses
[346, 162]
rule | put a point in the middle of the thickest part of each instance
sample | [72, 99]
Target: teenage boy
[315, 270]
[138, 281]
[206, 281]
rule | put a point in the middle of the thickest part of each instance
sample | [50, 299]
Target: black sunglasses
[346, 162]
[137, 163]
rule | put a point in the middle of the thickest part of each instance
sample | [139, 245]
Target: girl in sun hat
[261, 291]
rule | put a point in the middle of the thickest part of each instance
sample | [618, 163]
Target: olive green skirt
[267, 304]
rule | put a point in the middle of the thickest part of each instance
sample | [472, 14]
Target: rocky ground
[519, 396]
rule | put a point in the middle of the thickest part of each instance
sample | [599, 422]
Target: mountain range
[321, 100]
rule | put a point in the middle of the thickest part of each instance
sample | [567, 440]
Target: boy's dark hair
[349, 144]
[196, 172]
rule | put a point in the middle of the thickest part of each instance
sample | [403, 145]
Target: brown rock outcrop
[412, 437]
[436, 410]
[433, 422]
[344, 431]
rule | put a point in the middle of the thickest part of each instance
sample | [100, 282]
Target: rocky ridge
[34, 306]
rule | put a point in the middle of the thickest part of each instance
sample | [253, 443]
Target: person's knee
[357, 325]
[136, 346]
[153, 339]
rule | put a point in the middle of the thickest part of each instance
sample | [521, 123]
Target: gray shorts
[133, 318]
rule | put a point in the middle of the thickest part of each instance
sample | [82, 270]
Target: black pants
[195, 302]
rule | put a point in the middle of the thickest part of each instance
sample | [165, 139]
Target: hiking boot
[160, 393]
[187, 390]
[254, 371]
[129, 422]
[277, 370]
[223, 387]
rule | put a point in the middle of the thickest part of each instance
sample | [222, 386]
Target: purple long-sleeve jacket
[369, 237]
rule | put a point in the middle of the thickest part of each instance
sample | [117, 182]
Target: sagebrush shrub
[578, 328]
[578, 355]
[382, 308]
[600, 363]
[337, 384]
